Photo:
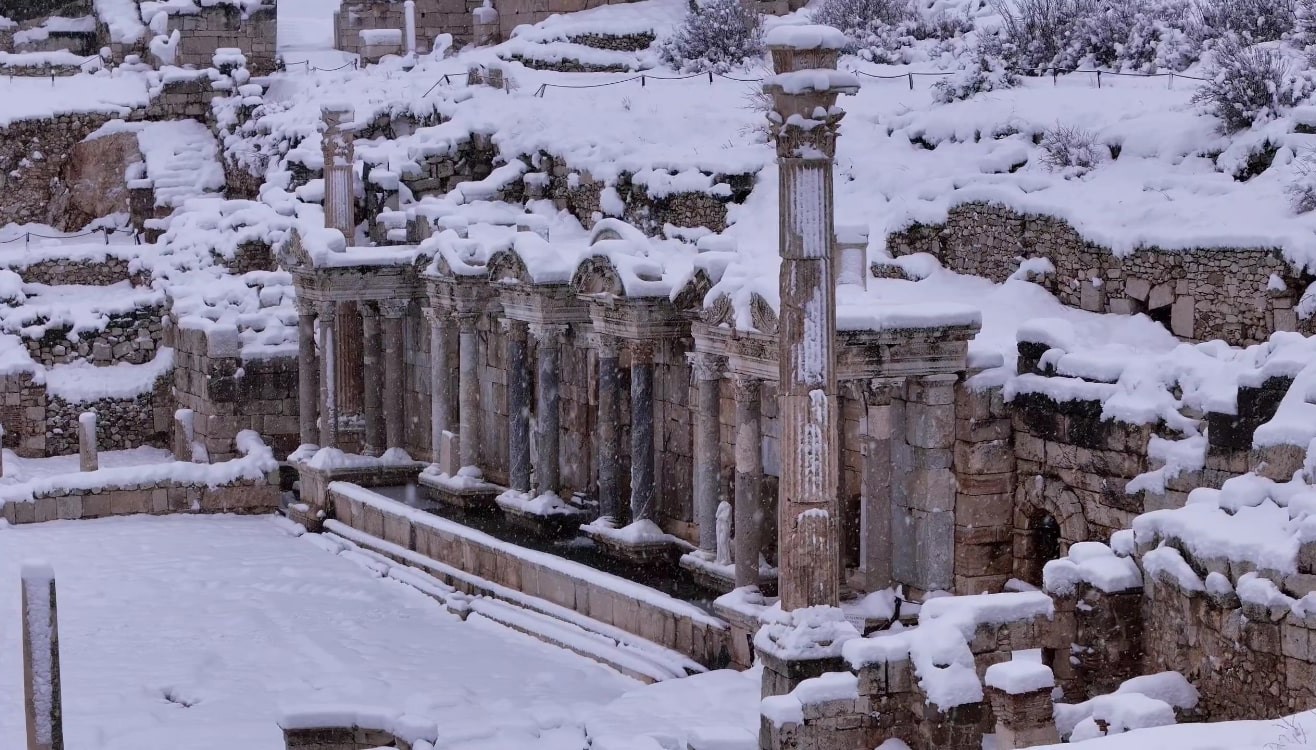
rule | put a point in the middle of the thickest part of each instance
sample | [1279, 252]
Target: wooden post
[45, 729]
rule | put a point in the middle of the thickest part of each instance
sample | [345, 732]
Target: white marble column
[548, 345]
[327, 313]
[41, 675]
[339, 179]
[749, 515]
[642, 457]
[373, 381]
[468, 391]
[706, 376]
[395, 394]
[518, 407]
[308, 375]
[607, 441]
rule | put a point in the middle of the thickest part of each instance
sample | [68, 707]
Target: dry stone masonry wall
[132, 338]
[121, 423]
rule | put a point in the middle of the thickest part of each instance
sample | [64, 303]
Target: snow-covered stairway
[553, 624]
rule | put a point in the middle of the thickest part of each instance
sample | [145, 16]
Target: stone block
[96, 505]
[129, 502]
[46, 509]
[991, 457]
[930, 426]
[931, 489]
[69, 507]
[1182, 317]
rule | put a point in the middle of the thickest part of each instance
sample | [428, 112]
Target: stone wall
[26, 10]
[33, 154]
[228, 394]
[113, 269]
[132, 338]
[223, 25]
[23, 415]
[433, 17]
[121, 423]
[1198, 294]
[984, 464]
[154, 498]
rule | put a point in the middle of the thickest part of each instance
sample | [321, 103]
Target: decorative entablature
[614, 312]
[546, 300]
[861, 354]
[352, 274]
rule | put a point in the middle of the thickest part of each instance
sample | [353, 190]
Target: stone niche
[1199, 294]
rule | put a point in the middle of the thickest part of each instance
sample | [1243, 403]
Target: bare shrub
[986, 71]
[877, 29]
[1068, 147]
[1302, 189]
[1037, 31]
[717, 35]
[1253, 21]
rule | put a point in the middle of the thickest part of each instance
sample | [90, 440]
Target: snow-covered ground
[190, 632]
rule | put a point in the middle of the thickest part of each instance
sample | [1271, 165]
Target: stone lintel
[553, 304]
[636, 319]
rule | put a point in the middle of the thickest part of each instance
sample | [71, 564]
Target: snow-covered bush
[877, 29]
[944, 25]
[985, 70]
[1128, 36]
[1037, 31]
[1249, 83]
[1068, 147]
[717, 35]
[1253, 21]
[1302, 190]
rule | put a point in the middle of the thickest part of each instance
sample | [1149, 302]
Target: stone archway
[1047, 520]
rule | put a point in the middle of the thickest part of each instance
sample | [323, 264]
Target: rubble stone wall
[23, 414]
[121, 423]
[133, 338]
[33, 154]
[1198, 294]
[56, 272]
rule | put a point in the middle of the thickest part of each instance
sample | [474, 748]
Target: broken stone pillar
[41, 688]
[409, 12]
[394, 391]
[183, 433]
[805, 119]
[642, 457]
[706, 372]
[749, 480]
[518, 407]
[373, 398]
[440, 381]
[1020, 696]
[548, 344]
[87, 452]
[308, 375]
[2, 450]
[850, 261]
[468, 391]
[928, 533]
[327, 314]
[484, 24]
[339, 155]
[882, 425]
[607, 439]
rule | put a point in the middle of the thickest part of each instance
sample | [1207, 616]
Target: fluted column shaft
[706, 372]
[327, 313]
[468, 391]
[394, 391]
[749, 514]
[518, 407]
[607, 439]
[440, 380]
[308, 376]
[642, 458]
[548, 343]
[372, 382]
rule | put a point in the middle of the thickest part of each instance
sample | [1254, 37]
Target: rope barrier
[106, 231]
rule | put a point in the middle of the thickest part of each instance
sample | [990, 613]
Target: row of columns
[321, 394]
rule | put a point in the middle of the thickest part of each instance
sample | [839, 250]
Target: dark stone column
[642, 459]
[373, 381]
[468, 391]
[548, 341]
[706, 373]
[606, 442]
[440, 380]
[308, 376]
[518, 407]
[749, 480]
[394, 391]
[327, 313]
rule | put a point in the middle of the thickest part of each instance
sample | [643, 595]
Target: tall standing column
[373, 382]
[642, 459]
[749, 480]
[607, 440]
[339, 155]
[440, 380]
[394, 392]
[882, 426]
[518, 407]
[706, 372]
[308, 375]
[327, 313]
[806, 143]
[468, 392]
[548, 344]
[41, 683]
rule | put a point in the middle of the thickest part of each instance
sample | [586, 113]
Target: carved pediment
[720, 312]
[506, 265]
[597, 275]
[691, 296]
[762, 315]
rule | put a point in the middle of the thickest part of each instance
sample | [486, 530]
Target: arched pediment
[691, 296]
[719, 312]
[762, 315]
[597, 275]
[507, 265]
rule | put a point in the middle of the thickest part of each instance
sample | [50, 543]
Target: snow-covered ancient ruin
[718, 375]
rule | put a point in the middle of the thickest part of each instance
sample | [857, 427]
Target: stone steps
[555, 625]
[569, 57]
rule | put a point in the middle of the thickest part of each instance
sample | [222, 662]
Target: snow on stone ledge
[1092, 563]
[80, 381]
[807, 633]
[806, 36]
[1019, 676]
[818, 79]
[966, 613]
